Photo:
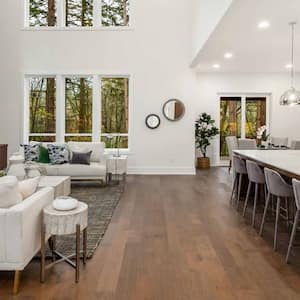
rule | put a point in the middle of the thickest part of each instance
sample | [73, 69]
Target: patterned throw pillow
[31, 152]
[56, 154]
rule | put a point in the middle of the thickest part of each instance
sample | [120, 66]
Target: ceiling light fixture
[216, 66]
[263, 25]
[228, 55]
[291, 96]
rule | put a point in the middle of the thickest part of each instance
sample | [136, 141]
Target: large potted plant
[205, 131]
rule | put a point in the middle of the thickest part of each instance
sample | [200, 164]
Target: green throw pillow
[44, 155]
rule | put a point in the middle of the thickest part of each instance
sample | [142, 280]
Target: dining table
[286, 162]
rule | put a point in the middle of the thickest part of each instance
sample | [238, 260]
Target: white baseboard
[161, 171]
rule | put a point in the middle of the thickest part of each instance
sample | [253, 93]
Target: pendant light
[291, 96]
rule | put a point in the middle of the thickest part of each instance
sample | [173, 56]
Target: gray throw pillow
[81, 158]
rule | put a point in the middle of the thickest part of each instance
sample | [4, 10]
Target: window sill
[100, 28]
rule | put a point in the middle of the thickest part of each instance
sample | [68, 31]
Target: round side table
[55, 222]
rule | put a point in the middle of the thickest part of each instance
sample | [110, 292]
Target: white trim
[26, 112]
[243, 117]
[96, 110]
[87, 28]
[78, 134]
[60, 13]
[97, 14]
[26, 13]
[60, 108]
[42, 134]
[161, 171]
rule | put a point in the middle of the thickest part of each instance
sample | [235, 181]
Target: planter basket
[203, 163]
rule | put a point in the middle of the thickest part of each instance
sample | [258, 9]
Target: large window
[42, 103]
[77, 13]
[88, 108]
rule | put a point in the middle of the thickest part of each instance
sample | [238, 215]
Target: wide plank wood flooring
[173, 238]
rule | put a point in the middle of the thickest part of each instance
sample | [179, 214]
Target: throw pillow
[9, 193]
[28, 187]
[44, 155]
[31, 152]
[56, 154]
[81, 158]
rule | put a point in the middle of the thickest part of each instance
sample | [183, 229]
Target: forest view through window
[77, 112]
[77, 13]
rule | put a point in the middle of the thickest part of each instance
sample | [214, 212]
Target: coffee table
[61, 184]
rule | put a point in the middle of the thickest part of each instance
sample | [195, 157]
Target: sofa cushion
[92, 170]
[56, 154]
[81, 158]
[9, 193]
[97, 149]
[28, 187]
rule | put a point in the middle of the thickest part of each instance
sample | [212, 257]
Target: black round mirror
[152, 121]
[173, 110]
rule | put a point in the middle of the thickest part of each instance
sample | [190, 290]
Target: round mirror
[173, 110]
[152, 121]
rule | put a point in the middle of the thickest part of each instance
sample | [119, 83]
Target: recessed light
[289, 66]
[228, 55]
[216, 66]
[264, 24]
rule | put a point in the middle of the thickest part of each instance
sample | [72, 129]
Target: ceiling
[254, 50]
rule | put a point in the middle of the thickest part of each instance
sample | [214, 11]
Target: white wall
[284, 121]
[206, 15]
[156, 53]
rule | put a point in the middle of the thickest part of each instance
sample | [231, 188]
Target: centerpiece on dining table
[262, 137]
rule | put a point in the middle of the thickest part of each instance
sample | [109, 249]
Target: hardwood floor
[174, 238]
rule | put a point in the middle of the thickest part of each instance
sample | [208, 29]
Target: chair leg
[276, 222]
[247, 197]
[255, 203]
[293, 234]
[287, 212]
[239, 190]
[16, 282]
[233, 189]
[264, 215]
[230, 165]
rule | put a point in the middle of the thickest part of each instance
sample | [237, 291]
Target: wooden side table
[55, 222]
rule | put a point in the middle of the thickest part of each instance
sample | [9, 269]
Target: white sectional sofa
[95, 171]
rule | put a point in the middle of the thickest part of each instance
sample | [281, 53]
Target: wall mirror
[152, 121]
[173, 110]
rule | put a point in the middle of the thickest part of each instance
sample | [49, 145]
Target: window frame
[61, 17]
[61, 101]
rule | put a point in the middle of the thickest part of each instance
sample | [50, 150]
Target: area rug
[102, 201]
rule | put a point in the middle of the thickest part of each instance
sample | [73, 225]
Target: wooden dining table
[286, 162]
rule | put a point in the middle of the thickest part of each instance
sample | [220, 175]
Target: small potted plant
[262, 136]
[205, 131]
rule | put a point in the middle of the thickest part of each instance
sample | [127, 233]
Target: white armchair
[20, 232]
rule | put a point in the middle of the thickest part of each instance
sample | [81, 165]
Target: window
[42, 103]
[114, 127]
[42, 13]
[77, 13]
[77, 108]
[115, 12]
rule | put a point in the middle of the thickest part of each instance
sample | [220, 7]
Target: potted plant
[262, 136]
[205, 131]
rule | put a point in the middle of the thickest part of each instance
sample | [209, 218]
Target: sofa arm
[21, 227]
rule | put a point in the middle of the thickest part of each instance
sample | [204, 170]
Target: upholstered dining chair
[232, 144]
[279, 141]
[296, 187]
[281, 190]
[247, 144]
[295, 145]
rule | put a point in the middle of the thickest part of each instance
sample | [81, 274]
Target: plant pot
[203, 163]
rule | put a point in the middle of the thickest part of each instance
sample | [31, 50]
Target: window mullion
[243, 118]
[60, 109]
[26, 120]
[26, 13]
[97, 13]
[61, 13]
[96, 109]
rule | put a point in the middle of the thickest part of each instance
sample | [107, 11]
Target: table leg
[77, 252]
[43, 252]
[84, 245]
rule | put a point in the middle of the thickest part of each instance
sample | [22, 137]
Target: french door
[241, 116]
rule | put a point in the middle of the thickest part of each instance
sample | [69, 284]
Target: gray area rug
[102, 201]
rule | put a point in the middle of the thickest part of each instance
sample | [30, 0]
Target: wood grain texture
[174, 238]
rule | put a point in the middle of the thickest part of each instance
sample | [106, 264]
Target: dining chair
[256, 176]
[296, 187]
[247, 144]
[239, 167]
[295, 145]
[279, 141]
[232, 144]
[279, 188]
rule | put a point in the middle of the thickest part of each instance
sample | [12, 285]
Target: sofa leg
[17, 278]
